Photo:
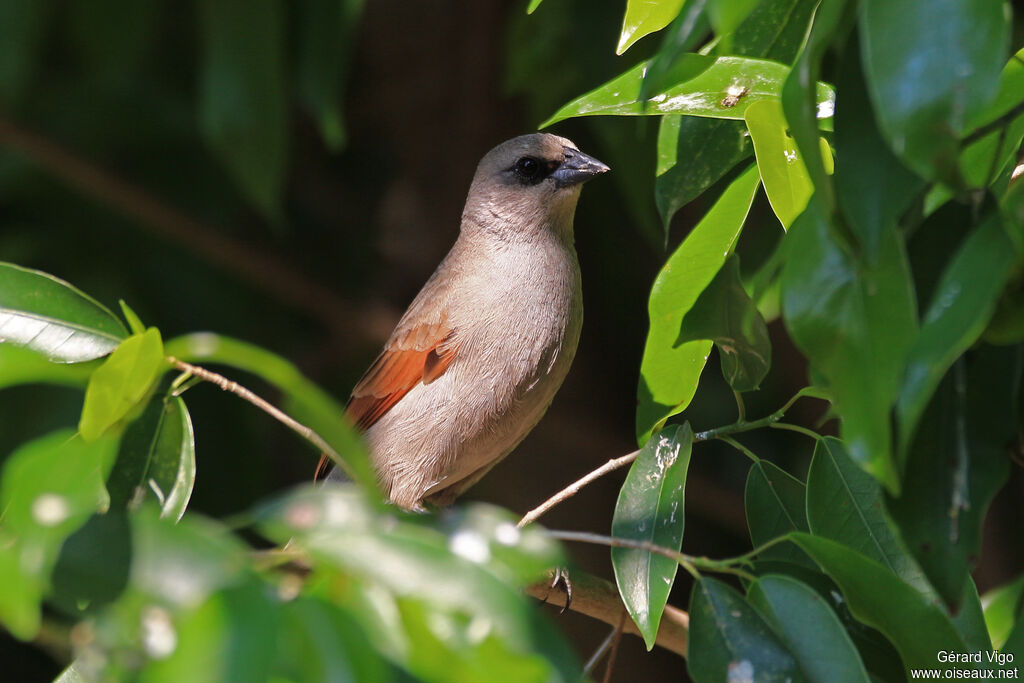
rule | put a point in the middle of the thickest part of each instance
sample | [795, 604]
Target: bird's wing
[415, 353]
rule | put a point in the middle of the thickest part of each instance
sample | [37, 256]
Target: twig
[574, 488]
[238, 390]
[740, 447]
[601, 650]
[610, 666]
[599, 599]
[260, 270]
[1003, 120]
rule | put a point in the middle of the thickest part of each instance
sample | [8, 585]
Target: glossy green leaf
[876, 596]
[808, 628]
[693, 154]
[960, 309]
[773, 29]
[669, 374]
[775, 505]
[844, 504]
[956, 465]
[134, 323]
[848, 314]
[725, 314]
[685, 32]
[726, 15]
[72, 674]
[1003, 606]
[983, 160]
[328, 33]
[644, 17]
[534, 4]
[873, 187]
[320, 642]
[242, 95]
[730, 640]
[50, 316]
[124, 379]
[718, 87]
[49, 487]
[798, 99]
[22, 25]
[785, 178]
[230, 638]
[931, 67]
[156, 459]
[650, 509]
[304, 400]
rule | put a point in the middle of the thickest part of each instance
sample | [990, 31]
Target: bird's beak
[577, 168]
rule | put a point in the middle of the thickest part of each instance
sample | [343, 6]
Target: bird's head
[528, 184]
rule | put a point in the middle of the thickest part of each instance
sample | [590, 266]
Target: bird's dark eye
[527, 168]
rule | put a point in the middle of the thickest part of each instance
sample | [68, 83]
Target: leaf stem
[740, 447]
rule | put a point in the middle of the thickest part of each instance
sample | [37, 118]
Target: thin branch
[610, 666]
[601, 650]
[599, 599]
[740, 447]
[574, 488]
[796, 428]
[238, 390]
[262, 271]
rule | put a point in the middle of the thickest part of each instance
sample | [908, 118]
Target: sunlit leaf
[1003, 607]
[725, 314]
[719, 87]
[650, 509]
[124, 379]
[931, 68]
[50, 316]
[726, 15]
[644, 17]
[809, 629]
[669, 373]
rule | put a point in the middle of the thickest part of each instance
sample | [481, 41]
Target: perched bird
[476, 360]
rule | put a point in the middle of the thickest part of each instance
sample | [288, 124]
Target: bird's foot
[560, 580]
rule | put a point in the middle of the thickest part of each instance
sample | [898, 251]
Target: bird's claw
[560, 579]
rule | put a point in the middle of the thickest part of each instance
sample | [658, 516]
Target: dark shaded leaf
[775, 505]
[774, 29]
[242, 95]
[956, 464]
[730, 640]
[156, 459]
[931, 68]
[845, 504]
[809, 629]
[876, 596]
[93, 566]
[969, 620]
[725, 314]
[650, 508]
[50, 316]
[124, 379]
[849, 314]
[669, 374]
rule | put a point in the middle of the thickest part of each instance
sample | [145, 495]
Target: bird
[475, 361]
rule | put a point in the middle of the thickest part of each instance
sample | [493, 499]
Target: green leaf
[650, 508]
[849, 314]
[19, 365]
[694, 153]
[242, 95]
[809, 629]
[48, 315]
[124, 379]
[725, 314]
[775, 504]
[134, 323]
[969, 620]
[961, 307]
[876, 596]
[984, 159]
[726, 15]
[1002, 607]
[773, 29]
[731, 641]
[534, 4]
[328, 33]
[718, 87]
[49, 487]
[844, 504]
[669, 374]
[230, 638]
[931, 68]
[687, 29]
[785, 178]
[956, 465]
[644, 17]
[93, 566]
[798, 99]
[22, 26]
[304, 401]
[156, 459]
